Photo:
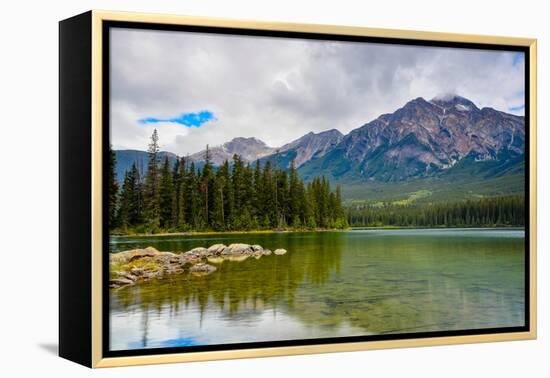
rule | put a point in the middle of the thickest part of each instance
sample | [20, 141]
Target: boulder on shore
[199, 251]
[237, 249]
[134, 254]
[217, 249]
[130, 267]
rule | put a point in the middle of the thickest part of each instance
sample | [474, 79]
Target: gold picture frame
[89, 330]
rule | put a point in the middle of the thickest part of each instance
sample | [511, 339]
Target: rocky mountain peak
[249, 149]
[423, 138]
[240, 142]
[454, 101]
[331, 132]
[312, 145]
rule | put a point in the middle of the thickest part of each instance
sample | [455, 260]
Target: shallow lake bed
[329, 284]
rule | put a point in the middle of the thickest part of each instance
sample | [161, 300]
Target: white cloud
[279, 89]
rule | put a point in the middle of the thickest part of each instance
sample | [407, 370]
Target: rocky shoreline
[138, 265]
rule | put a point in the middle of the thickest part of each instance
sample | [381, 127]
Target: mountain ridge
[421, 139]
[249, 149]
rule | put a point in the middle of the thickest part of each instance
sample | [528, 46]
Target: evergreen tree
[238, 184]
[125, 203]
[166, 196]
[113, 189]
[267, 195]
[151, 194]
[294, 197]
[339, 212]
[224, 204]
[258, 189]
[176, 182]
[130, 208]
[282, 196]
[207, 188]
[181, 194]
[193, 198]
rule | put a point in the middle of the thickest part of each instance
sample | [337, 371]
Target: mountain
[313, 145]
[250, 149]
[422, 139]
[301, 150]
[439, 149]
[304, 149]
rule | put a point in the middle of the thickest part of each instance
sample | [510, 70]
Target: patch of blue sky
[186, 119]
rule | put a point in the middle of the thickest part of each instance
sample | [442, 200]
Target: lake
[329, 284]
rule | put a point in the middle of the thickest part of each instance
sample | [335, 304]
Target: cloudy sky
[199, 89]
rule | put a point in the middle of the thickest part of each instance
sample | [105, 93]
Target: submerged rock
[237, 257]
[215, 260]
[279, 251]
[118, 282]
[173, 269]
[202, 269]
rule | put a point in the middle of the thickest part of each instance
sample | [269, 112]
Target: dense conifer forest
[239, 196]
[485, 212]
[236, 196]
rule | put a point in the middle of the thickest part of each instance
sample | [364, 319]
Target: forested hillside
[232, 197]
[486, 212]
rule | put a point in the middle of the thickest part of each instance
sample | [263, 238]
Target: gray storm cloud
[279, 89]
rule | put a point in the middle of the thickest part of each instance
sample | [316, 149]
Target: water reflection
[329, 284]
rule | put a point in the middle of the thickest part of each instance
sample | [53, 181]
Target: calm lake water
[329, 284]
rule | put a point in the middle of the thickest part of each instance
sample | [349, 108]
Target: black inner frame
[108, 25]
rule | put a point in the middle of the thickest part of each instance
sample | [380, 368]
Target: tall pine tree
[151, 194]
[166, 195]
[180, 176]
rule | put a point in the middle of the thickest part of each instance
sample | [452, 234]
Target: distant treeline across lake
[485, 212]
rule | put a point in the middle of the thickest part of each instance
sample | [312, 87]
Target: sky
[198, 88]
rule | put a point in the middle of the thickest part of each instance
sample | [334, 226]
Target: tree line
[485, 212]
[235, 196]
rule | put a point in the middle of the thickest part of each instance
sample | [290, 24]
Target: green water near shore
[329, 284]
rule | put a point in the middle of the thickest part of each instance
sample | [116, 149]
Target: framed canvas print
[234, 189]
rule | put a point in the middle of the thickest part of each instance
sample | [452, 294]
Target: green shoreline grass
[193, 233]
[252, 232]
[431, 227]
